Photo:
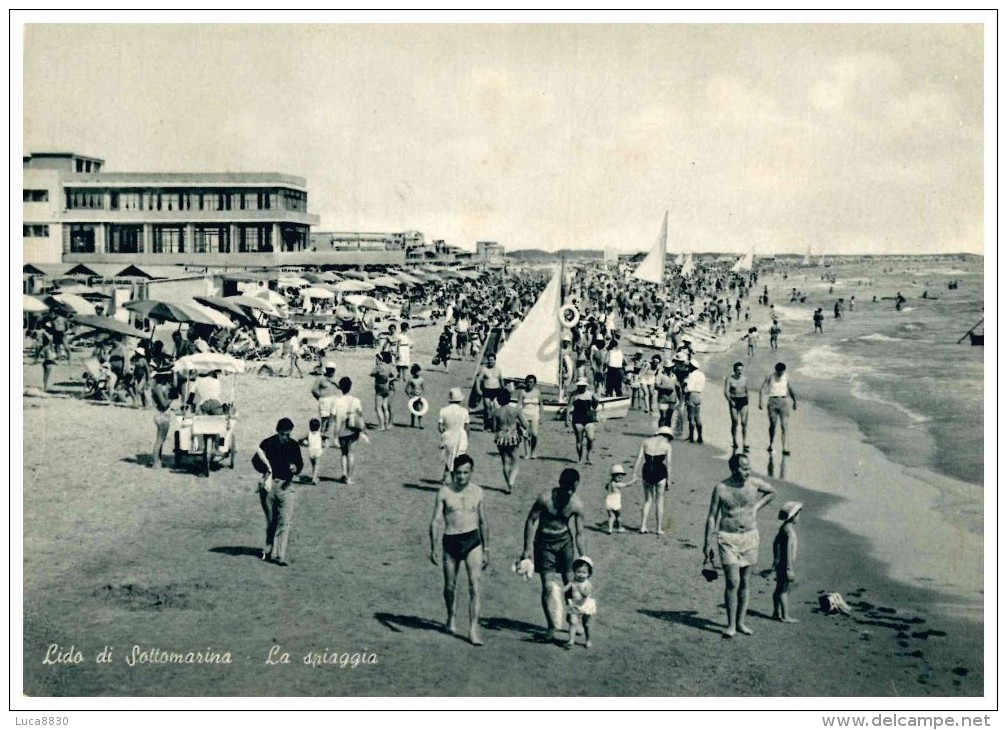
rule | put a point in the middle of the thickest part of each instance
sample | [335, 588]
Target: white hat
[329, 365]
[581, 381]
[455, 395]
[618, 469]
[586, 560]
[789, 510]
[665, 431]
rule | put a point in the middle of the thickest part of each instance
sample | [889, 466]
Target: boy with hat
[785, 559]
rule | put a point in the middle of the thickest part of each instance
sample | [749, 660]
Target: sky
[837, 138]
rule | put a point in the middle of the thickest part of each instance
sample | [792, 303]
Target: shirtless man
[459, 506]
[777, 385]
[555, 528]
[732, 519]
[736, 393]
[488, 384]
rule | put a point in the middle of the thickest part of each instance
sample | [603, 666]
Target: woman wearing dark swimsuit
[653, 463]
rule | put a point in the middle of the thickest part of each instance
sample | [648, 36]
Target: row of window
[83, 199]
[36, 196]
[32, 230]
[172, 239]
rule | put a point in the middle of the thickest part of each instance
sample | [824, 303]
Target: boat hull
[608, 408]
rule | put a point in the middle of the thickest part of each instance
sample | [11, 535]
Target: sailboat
[652, 267]
[687, 266]
[744, 263]
[807, 258]
[534, 348]
[821, 261]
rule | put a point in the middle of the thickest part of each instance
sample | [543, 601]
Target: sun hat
[665, 431]
[455, 395]
[618, 469]
[668, 363]
[681, 357]
[329, 365]
[581, 381]
[586, 561]
[789, 510]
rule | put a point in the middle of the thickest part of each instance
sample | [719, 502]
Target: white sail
[807, 257]
[821, 261]
[533, 346]
[652, 267]
[688, 266]
[745, 262]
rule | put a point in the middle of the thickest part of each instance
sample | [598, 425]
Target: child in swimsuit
[613, 497]
[784, 560]
[414, 389]
[580, 603]
[313, 442]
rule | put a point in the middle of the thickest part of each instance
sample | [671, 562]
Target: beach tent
[203, 362]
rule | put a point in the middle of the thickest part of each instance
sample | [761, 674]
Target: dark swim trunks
[739, 403]
[459, 546]
[554, 553]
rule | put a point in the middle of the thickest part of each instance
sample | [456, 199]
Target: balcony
[179, 217]
[250, 260]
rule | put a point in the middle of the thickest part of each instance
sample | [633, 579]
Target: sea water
[902, 376]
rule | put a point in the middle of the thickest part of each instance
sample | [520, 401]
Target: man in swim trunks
[489, 381]
[555, 529]
[736, 393]
[777, 385]
[732, 519]
[459, 506]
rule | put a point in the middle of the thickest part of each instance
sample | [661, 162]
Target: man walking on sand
[459, 506]
[278, 459]
[777, 385]
[732, 519]
[555, 528]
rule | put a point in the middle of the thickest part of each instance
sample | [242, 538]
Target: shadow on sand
[686, 618]
[238, 551]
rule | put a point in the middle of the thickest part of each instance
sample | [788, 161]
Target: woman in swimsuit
[736, 393]
[510, 426]
[530, 401]
[647, 379]
[582, 413]
[653, 464]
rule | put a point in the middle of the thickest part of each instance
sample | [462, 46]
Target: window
[125, 239]
[294, 200]
[168, 239]
[83, 198]
[80, 165]
[34, 230]
[255, 239]
[82, 238]
[211, 239]
[36, 196]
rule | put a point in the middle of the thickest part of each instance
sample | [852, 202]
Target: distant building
[351, 241]
[74, 212]
[489, 251]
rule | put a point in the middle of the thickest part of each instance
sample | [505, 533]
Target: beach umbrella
[86, 292]
[353, 286]
[407, 278]
[355, 275]
[253, 302]
[316, 292]
[385, 282]
[222, 305]
[366, 302]
[169, 312]
[314, 278]
[294, 281]
[70, 303]
[218, 317]
[274, 298]
[34, 304]
[208, 361]
[108, 324]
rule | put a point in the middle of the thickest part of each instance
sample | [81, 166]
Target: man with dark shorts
[459, 506]
[555, 529]
[736, 394]
[489, 381]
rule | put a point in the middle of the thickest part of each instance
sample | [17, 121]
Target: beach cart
[207, 437]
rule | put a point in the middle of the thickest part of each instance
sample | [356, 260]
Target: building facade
[353, 241]
[74, 212]
[490, 251]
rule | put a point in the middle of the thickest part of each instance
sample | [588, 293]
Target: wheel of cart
[207, 437]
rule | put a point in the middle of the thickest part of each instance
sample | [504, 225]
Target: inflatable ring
[568, 315]
[418, 406]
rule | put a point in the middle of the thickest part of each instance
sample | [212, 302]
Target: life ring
[418, 406]
[569, 316]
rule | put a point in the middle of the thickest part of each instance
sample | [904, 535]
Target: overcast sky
[842, 138]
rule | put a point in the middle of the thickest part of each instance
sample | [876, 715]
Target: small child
[753, 339]
[613, 497]
[634, 388]
[785, 560]
[313, 442]
[475, 344]
[580, 603]
[414, 389]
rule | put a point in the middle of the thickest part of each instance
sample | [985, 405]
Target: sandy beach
[118, 555]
